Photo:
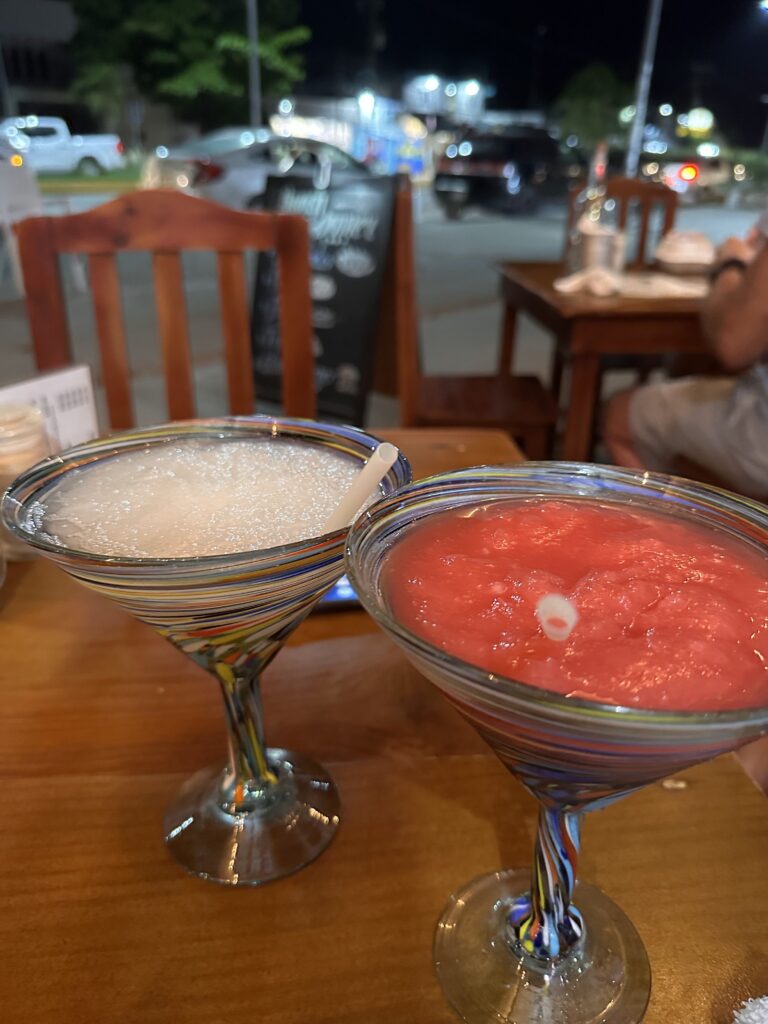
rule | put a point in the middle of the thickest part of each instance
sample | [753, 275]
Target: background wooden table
[586, 329]
[102, 720]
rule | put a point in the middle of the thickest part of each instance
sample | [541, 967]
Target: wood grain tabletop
[101, 722]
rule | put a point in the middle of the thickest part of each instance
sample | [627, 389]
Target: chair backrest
[166, 222]
[400, 307]
[631, 194]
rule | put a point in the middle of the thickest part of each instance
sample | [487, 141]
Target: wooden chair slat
[237, 332]
[154, 220]
[406, 322]
[46, 307]
[110, 328]
[295, 317]
[174, 336]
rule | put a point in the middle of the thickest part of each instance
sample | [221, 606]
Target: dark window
[12, 62]
[41, 132]
[499, 148]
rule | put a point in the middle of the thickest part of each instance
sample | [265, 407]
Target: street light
[763, 5]
[366, 101]
[666, 108]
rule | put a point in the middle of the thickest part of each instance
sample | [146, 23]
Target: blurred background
[493, 110]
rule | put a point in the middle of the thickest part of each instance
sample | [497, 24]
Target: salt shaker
[23, 442]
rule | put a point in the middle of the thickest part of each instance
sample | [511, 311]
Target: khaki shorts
[720, 423]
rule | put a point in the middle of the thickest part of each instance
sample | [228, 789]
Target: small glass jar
[23, 442]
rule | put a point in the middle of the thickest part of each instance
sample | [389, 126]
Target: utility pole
[254, 69]
[643, 87]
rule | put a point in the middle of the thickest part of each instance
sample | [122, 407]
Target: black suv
[509, 172]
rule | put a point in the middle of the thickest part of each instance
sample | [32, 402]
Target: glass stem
[249, 772]
[544, 923]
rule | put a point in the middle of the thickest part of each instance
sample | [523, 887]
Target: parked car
[48, 146]
[161, 169]
[510, 171]
[699, 178]
[239, 178]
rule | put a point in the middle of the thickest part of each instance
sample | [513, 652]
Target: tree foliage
[590, 103]
[190, 54]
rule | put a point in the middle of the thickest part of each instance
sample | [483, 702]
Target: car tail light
[120, 146]
[688, 172]
[205, 171]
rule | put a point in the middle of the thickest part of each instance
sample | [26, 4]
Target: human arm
[735, 314]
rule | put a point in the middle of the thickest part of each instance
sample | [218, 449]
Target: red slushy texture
[670, 615]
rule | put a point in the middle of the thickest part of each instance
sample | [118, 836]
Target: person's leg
[721, 424]
[617, 433]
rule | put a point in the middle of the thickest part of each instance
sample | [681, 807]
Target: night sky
[710, 52]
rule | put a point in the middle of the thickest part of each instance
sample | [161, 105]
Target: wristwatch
[734, 263]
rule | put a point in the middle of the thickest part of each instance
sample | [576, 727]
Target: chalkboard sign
[350, 224]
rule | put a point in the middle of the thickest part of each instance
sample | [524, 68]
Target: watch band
[734, 263]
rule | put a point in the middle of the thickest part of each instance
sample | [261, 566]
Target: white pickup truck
[48, 146]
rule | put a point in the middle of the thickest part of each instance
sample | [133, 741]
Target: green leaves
[590, 103]
[182, 51]
[101, 85]
[201, 77]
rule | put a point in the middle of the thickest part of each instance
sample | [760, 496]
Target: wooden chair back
[165, 223]
[397, 343]
[631, 194]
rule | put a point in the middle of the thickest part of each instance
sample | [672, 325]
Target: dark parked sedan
[508, 172]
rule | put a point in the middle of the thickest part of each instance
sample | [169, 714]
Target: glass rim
[166, 432]
[495, 683]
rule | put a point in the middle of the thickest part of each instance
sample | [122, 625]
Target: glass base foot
[606, 979]
[290, 826]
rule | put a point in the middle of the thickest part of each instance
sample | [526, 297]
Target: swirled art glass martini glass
[642, 648]
[179, 525]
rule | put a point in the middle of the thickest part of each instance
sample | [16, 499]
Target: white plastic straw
[557, 616]
[364, 484]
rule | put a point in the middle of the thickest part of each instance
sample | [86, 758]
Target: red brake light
[205, 171]
[688, 172]
[120, 146]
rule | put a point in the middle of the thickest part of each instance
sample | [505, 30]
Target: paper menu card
[65, 398]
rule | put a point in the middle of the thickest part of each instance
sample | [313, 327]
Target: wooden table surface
[102, 722]
[539, 279]
[587, 328]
